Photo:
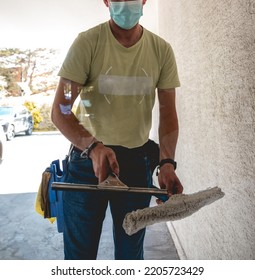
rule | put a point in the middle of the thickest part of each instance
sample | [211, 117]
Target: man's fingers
[174, 187]
[104, 162]
[113, 164]
[179, 187]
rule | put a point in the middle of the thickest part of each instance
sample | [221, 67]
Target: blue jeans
[84, 212]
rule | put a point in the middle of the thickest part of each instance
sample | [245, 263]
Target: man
[115, 68]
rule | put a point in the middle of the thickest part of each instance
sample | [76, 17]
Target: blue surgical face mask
[126, 14]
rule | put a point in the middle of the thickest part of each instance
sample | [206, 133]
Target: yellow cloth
[40, 202]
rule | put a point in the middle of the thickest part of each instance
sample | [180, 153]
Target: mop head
[177, 207]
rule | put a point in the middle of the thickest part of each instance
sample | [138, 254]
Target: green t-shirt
[119, 83]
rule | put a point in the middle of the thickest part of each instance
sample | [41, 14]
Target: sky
[55, 23]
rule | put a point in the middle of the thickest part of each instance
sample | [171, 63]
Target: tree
[35, 68]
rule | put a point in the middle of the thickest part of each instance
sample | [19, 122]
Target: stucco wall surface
[214, 44]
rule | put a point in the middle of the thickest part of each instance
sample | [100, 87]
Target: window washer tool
[178, 206]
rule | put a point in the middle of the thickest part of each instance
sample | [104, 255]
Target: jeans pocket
[80, 170]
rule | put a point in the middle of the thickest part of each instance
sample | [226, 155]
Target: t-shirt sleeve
[169, 73]
[76, 65]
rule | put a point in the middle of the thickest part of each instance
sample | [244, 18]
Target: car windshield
[6, 111]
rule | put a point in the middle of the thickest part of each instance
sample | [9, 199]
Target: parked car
[15, 120]
[2, 143]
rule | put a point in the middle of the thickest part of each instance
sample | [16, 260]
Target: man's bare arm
[168, 136]
[103, 158]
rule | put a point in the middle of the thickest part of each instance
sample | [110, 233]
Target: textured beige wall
[214, 43]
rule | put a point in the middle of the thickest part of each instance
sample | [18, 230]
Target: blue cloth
[84, 212]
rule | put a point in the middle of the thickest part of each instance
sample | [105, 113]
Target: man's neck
[129, 37]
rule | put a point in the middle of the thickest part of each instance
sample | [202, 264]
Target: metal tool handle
[112, 183]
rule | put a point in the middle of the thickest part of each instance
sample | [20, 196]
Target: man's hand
[104, 162]
[168, 180]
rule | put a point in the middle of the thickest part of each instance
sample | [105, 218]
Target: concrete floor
[25, 235]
